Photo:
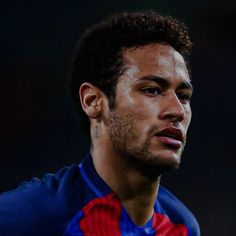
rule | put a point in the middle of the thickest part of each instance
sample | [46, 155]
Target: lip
[171, 136]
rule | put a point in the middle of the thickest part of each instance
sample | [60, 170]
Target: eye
[152, 90]
[184, 97]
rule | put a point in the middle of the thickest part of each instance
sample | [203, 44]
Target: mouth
[171, 137]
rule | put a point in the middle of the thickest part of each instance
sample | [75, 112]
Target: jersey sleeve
[40, 206]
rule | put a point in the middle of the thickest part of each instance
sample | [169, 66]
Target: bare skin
[152, 94]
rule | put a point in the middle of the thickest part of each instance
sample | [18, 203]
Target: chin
[165, 163]
[152, 165]
[167, 156]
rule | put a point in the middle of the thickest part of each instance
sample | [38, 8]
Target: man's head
[130, 75]
[99, 54]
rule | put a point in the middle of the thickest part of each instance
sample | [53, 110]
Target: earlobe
[90, 98]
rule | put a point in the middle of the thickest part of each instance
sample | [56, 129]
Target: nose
[172, 108]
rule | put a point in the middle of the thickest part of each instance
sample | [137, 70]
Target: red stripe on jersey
[101, 217]
[164, 227]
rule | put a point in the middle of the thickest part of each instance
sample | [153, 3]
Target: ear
[90, 98]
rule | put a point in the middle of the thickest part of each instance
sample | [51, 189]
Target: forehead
[160, 60]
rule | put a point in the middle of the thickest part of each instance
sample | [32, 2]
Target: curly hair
[98, 54]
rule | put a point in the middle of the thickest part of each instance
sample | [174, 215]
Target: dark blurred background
[38, 130]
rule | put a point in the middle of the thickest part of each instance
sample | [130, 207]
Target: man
[132, 91]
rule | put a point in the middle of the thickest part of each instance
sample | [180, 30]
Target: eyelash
[183, 97]
[152, 90]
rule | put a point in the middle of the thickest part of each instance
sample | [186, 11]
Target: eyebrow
[164, 83]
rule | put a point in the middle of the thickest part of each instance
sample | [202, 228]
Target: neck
[136, 191]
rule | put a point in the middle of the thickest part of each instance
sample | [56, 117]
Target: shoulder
[41, 205]
[177, 211]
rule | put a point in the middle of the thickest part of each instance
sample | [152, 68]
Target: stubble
[125, 137]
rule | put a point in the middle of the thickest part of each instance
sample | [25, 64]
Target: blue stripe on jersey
[128, 228]
[73, 228]
[89, 182]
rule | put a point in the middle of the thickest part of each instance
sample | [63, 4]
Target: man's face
[149, 123]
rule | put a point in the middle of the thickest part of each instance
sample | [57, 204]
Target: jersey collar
[91, 177]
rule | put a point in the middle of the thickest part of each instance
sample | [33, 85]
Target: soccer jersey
[76, 201]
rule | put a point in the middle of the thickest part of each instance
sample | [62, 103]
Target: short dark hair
[98, 54]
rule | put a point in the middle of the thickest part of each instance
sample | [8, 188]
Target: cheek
[143, 111]
[136, 117]
[145, 116]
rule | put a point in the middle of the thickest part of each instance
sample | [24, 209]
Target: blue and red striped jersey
[76, 201]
